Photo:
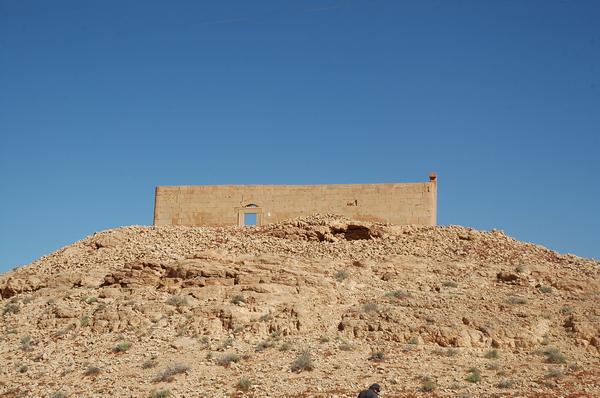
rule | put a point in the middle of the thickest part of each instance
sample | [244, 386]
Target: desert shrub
[369, 307]
[398, 294]
[553, 355]
[554, 373]
[545, 340]
[474, 376]
[413, 340]
[178, 301]
[244, 384]
[303, 362]
[545, 289]
[11, 308]
[228, 342]
[122, 346]
[163, 393]
[341, 275]
[65, 330]
[285, 346]
[566, 310]
[92, 371]
[448, 352]
[506, 383]
[91, 299]
[377, 356]
[22, 368]
[265, 317]
[449, 284]
[516, 300]
[521, 268]
[494, 366]
[324, 339]
[227, 359]
[492, 354]
[149, 363]
[574, 367]
[58, 394]
[170, 371]
[345, 346]
[84, 321]
[427, 384]
[238, 330]
[237, 299]
[26, 343]
[263, 345]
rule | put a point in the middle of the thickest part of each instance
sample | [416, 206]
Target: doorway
[250, 219]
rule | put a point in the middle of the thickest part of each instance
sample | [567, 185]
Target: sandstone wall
[405, 203]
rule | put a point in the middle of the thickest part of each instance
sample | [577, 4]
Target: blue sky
[102, 101]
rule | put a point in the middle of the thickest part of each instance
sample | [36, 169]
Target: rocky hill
[314, 307]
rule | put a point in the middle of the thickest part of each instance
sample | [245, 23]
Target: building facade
[398, 203]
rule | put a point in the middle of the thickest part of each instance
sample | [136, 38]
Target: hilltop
[318, 306]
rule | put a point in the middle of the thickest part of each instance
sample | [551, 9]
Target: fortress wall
[405, 203]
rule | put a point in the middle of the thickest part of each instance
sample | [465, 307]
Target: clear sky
[100, 101]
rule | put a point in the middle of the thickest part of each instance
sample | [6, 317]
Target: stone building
[397, 203]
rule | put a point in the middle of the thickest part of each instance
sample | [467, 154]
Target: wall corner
[433, 178]
[155, 205]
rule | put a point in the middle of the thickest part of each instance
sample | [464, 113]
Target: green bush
[237, 299]
[164, 393]
[265, 317]
[555, 373]
[149, 363]
[474, 376]
[285, 346]
[377, 356]
[545, 289]
[448, 352]
[492, 354]
[428, 384]
[263, 345]
[84, 321]
[370, 307]
[553, 355]
[345, 346]
[398, 294]
[303, 362]
[11, 308]
[341, 275]
[26, 343]
[227, 359]
[169, 373]
[122, 346]
[178, 301]
[244, 384]
[506, 383]
[516, 300]
[92, 371]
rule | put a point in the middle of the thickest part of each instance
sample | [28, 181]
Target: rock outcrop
[130, 311]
